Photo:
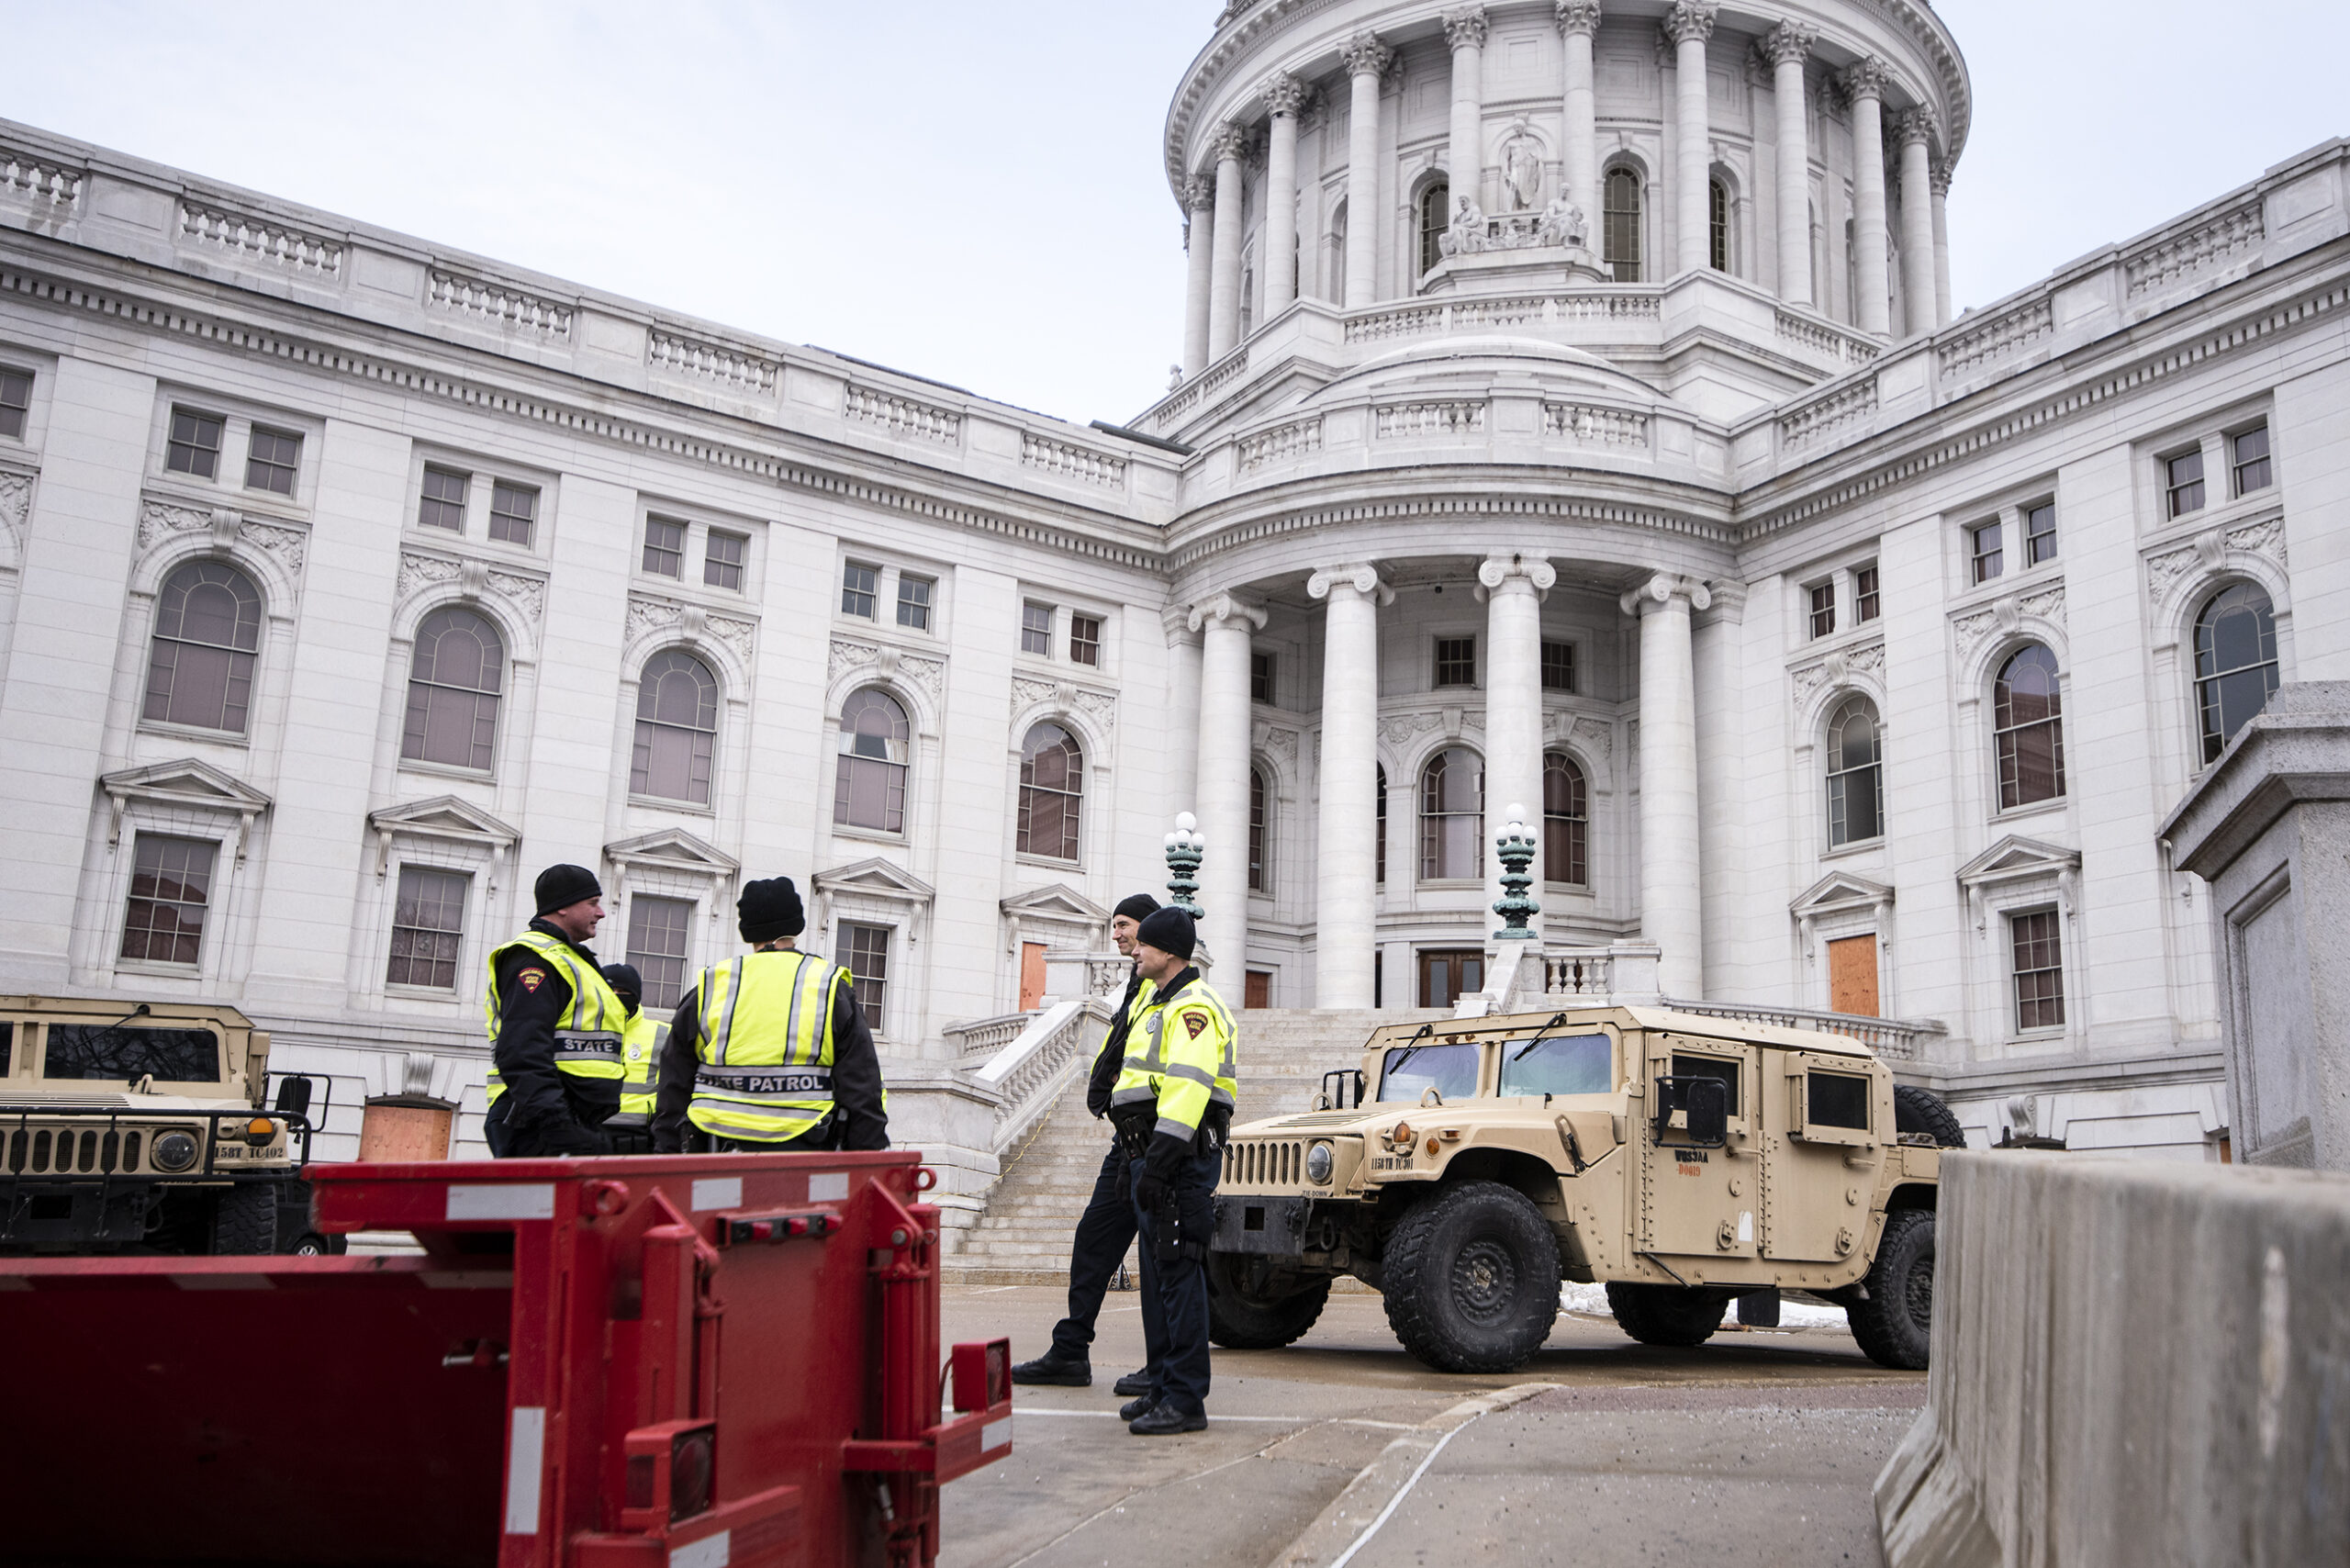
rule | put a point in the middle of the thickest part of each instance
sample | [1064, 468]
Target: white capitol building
[1573, 413]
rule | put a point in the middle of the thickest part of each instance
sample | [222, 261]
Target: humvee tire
[1249, 1309]
[1666, 1314]
[1471, 1279]
[1895, 1325]
[244, 1223]
[1919, 1111]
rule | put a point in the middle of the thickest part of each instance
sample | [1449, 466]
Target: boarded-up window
[1852, 975]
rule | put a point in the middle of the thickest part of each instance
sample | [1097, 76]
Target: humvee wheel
[1666, 1314]
[1918, 1110]
[1471, 1279]
[1253, 1306]
[244, 1222]
[1895, 1325]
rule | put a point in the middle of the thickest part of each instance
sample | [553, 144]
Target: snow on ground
[1590, 1301]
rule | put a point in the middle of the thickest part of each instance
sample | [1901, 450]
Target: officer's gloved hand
[1160, 1165]
[567, 1138]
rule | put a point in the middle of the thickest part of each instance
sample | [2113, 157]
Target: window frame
[877, 1010]
[2000, 731]
[1438, 659]
[1085, 639]
[1036, 622]
[1578, 828]
[1836, 802]
[172, 443]
[1430, 251]
[676, 571]
[2183, 497]
[1262, 802]
[647, 961]
[1565, 649]
[255, 436]
[211, 904]
[458, 967]
[2237, 488]
[1820, 610]
[903, 783]
[870, 593]
[2033, 537]
[2017, 974]
[1634, 227]
[642, 745]
[499, 693]
[713, 561]
[2202, 687]
[462, 501]
[1720, 221]
[925, 601]
[1264, 677]
[19, 415]
[1431, 862]
[249, 672]
[1868, 599]
[1988, 565]
[1032, 797]
[500, 488]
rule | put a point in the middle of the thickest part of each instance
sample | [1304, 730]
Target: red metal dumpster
[672, 1363]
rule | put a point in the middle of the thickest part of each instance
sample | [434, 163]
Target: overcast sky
[974, 191]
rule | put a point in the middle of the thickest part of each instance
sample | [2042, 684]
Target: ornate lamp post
[1516, 846]
[1185, 846]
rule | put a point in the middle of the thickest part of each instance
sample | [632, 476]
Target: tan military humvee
[143, 1126]
[1682, 1159]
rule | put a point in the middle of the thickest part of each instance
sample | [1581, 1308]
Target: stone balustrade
[1895, 1039]
[976, 1041]
[1031, 1071]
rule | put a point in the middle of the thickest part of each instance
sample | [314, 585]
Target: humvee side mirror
[294, 1096]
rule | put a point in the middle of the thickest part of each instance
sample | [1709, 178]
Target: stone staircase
[1032, 1212]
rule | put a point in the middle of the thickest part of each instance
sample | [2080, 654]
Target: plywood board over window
[1852, 975]
[1032, 976]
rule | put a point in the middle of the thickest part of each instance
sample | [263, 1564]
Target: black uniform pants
[1175, 1296]
[535, 1140]
[1103, 1233]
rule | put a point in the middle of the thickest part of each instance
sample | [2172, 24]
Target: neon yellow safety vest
[588, 1036]
[642, 1044]
[1179, 1053]
[766, 1022]
[1143, 993]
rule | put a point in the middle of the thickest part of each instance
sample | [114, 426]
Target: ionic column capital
[1284, 95]
[1690, 20]
[1515, 573]
[1464, 27]
[1579, 16]
[1230, 145]
[1865, 78]
[1365, 55]
[1789, 43]
[1913, 125]
[1660, 590]
[1223, 610]
[1175, 621]
[1360, 575]
[1199, 193]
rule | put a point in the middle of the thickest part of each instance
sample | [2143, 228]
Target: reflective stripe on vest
[644, 1042]
[766, 1045]
[586, 1037]
[1147, 1069]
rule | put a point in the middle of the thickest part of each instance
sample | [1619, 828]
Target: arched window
[1339, 254]
[1260, 873]
[1855, 774]
[676, 728]
[208, 630]
[1380, 874]
[1717, 225]
[869, 783]
[1566, 821]
[1435, 217]
[453, 681]
[2235, 662]
[1452, 817]
[1620, 228]
[2029, 714]
[1052, 792]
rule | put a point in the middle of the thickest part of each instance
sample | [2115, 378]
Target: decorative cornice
[1464, 27]
[1366, 55]
[1788, 43]
[1468, 507]
[1691, 21]
[1284, 95]
[1579, 16]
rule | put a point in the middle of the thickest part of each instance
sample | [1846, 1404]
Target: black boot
[1134, 1383]
[1056, 1369]
[1163, 1419]
[1134, 1408]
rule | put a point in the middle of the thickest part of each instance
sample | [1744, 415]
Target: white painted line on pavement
[1401, 1493]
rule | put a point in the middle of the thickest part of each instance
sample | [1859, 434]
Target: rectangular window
[1557, 666]
[1823, 608]
[2248, 453]
[272, 459]
[17, 401]
[1866, 605]
[722, 560]
[1990, 557]
[443, 502]
[1036, 629]
[1260, 679]
[665, 547]
[428, 928]
[2039, 971]
[195, 447]
[170, 887]
[656, 946]
[513, 513]
[914, 603]
[1084, 639]
[1456, 661]
[2183, 482]
[2040, 534]
[110, 1053]
[866, 959]
[858, 585]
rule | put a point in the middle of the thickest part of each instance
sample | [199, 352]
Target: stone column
[1512, 587]
[1226, 624]
[1199, 201]
[1224, 285]
[1464, 29]
[1689, 24]
[1941, 243]
[1579, 148]
[1672, 914]
[1865, 84]
[1181, 783]
[1788, 48]
[1365, 60]
[1913, 129]
[1346, 875]
[1284, 95]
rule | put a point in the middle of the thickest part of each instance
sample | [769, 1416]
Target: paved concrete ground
[1761, 1444]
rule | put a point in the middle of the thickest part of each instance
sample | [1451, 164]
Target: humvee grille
[69, 1152]
[1264, 1163]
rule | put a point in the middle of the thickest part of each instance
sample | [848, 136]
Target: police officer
[770, 1051]
[1172, 1107]
[1107, 1229]
[630, 1131]
[555, 1027]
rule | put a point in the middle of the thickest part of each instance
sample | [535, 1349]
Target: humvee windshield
[1409, 1071]
[109, 1051]
[1559, 1064]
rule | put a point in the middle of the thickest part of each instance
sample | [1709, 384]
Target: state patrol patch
[532, 978]
[1195, 1023]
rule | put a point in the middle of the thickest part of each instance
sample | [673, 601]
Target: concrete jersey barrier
[2135, 1364]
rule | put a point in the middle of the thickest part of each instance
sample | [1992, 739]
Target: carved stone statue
[1466, 234]
[1563, 224]
[1522, 171]
[1174, 377]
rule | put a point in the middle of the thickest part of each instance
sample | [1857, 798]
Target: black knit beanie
[1137, 907]
[770, 910]
[1172, 931]
[626, 983]
[560, 887]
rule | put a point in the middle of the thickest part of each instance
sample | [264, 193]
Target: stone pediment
[187, 782]
[875, 878]
[1057, 902]
[674, 848]
[2014, 858]
[1840, 890]
[444, 816]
